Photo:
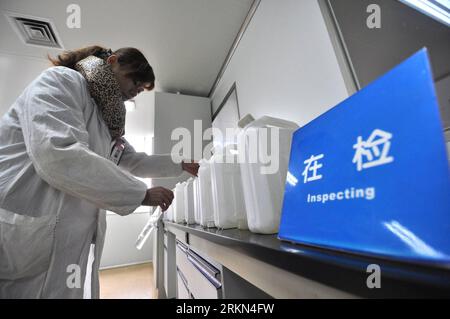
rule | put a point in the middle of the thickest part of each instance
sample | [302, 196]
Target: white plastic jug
[196, 194]
[264, 193]
[226, 186]
[189, 202]
[205, 195]
[178, 211]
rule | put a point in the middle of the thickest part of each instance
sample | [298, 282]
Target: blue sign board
[371, 175]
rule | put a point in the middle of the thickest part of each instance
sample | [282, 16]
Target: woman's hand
[158, 196]
[191, 168]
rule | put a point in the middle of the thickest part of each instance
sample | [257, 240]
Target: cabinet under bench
[211, 263]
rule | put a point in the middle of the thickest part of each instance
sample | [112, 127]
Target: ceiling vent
[35, 31]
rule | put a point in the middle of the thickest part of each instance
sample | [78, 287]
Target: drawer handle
[181, 247]
[205, 272]
[183, 279]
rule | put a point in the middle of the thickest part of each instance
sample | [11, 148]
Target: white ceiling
[186, 41]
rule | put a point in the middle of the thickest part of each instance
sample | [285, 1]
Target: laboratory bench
[197, 262]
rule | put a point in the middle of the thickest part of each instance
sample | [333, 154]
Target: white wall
[121, 235]
[140, 122]
[16, 72]
[285, 65]
[174, 111]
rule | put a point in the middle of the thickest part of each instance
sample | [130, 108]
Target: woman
[63, 162]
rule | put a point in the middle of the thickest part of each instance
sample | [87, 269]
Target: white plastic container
[226, 186]
[196, 194]
[170, 211]
[205, 194]
[189, 202]
[178, 211]
[264, 193]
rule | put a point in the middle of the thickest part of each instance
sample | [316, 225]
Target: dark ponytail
[70, 58]
[131, 59]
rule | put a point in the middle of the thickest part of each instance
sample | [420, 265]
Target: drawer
[203, 279]
[182, 260]
[182, 290]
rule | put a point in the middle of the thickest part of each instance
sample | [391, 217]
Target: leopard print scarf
[105, 90]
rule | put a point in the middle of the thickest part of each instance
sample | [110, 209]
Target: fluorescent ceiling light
[436, 9]
[130, 105]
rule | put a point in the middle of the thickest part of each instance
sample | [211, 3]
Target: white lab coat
[55, 185]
